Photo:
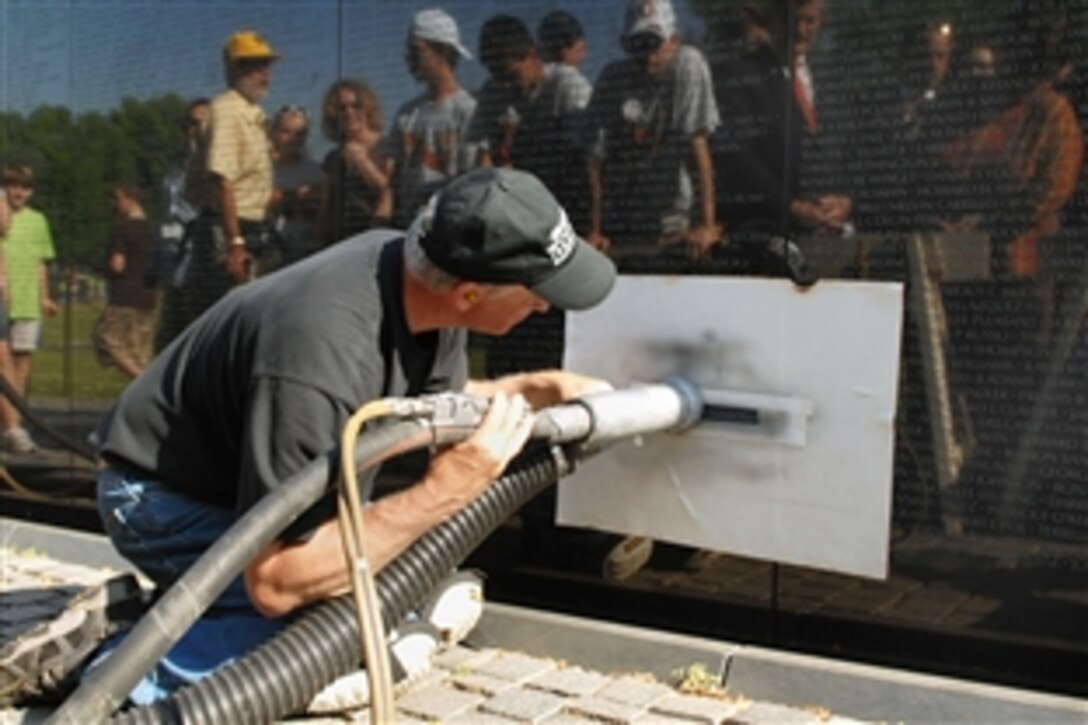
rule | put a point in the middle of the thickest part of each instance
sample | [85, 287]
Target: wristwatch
[238, 241]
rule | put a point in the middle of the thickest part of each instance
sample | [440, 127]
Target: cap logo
[648, 9]
[562, 240]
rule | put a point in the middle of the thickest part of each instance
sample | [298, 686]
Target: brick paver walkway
[467, 685]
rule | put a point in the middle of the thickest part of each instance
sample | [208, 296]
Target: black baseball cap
[503, 226]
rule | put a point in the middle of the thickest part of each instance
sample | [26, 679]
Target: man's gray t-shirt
[264, 381]
[641, 128]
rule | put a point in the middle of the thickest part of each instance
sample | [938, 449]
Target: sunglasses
[248, 65]
[293, 108]
[642, 45]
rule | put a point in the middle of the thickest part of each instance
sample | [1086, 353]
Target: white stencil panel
[818, 494]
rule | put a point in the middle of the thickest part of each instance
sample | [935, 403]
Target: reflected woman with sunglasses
[356, 194]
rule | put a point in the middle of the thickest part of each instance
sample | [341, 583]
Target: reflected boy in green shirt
[28, 248]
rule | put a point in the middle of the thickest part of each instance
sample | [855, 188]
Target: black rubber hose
[282, 675]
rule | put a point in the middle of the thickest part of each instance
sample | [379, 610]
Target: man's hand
[700, 240]
[968, 223]
[568, 386]
[358, 154]
[541, 388]
[599, 241]
[1023, 255]
[828, 213]
[239, 261]
[50, 307]
[461, 472]
[835, 210]
[807, 213]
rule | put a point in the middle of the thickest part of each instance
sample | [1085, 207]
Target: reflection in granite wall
[937, 144]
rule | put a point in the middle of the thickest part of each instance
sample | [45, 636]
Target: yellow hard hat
[248, 44]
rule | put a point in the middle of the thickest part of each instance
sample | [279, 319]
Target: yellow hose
[367, 606]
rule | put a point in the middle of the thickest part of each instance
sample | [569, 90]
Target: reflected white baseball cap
[439, 27]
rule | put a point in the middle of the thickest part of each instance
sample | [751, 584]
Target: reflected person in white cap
[650, 172]
[428, 132]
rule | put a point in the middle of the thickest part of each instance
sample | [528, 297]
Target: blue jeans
[163, 533]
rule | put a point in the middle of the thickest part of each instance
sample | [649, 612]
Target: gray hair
[417, 262]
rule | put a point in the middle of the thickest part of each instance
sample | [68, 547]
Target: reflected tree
[78, 158]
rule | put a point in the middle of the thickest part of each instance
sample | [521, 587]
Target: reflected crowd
[761, 148]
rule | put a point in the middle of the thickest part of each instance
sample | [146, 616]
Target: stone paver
[599, 708]
[570, 681]
[525, 705]
[570, 718]
[515, 667]
[696, 708]
[636, 691]
[478, 717]
[438, 702]
[480, 683]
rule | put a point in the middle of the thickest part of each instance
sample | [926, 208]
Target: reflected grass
[65, 365]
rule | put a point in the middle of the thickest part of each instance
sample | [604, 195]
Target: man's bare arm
[288, 575]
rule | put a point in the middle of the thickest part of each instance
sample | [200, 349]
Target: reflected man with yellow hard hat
[231, 177]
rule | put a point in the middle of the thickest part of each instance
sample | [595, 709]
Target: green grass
[66, 365]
